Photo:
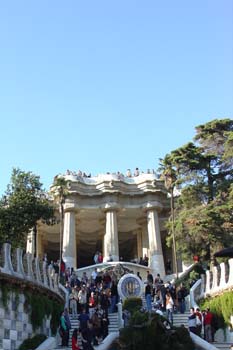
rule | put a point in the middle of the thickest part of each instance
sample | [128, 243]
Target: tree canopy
[23, 204]
[203, 170]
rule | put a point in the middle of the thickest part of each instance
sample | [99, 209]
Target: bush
[132, 304]
[221, 306]
[154, 335]
[32, 343]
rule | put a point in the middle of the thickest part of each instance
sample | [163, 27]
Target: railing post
[30, 274]
[222, 283]
[207, 288]
[45, 277]
[7, 268]
[215, 279]
[50, 269]
[120, 318]
[230, 279]
[37, 267]
[19, 255]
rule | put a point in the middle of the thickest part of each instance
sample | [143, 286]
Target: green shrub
[154, 335]
[139, 318]
[32, 343]
[221, 306]
[193, 275]
[132, 304]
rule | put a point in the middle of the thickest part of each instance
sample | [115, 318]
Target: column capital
[70, 207]
[111, 206]
[153, 205]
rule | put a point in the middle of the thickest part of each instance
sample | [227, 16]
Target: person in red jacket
[75, 340]
[207, 325]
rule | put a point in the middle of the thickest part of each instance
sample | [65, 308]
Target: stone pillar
[39, 245]
[145, 241]
[156, 261]
[31, 242]
[69, 240]
[111, 244]
[139, 244]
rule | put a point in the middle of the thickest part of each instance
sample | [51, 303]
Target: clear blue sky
[109, 85]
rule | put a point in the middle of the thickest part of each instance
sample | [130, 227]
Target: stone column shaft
[156, 261]
[139, 244]
[69, 240]
[31, 242]
[145, 241]
[111, 244]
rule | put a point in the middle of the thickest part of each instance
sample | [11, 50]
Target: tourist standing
[114, 296]
[198, 321]
[208, 317]
[64, 333]
[192, 322]
[169, 307]
[75, 345]
[148, 296]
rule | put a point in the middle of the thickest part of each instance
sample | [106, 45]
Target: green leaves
[204, 172]
[24, 203]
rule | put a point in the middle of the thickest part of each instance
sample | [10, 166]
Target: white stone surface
[156, 260]
[7, 324]
[69, 240]
[13, 335]
[111, 246]
[2, 313]
[6, 344]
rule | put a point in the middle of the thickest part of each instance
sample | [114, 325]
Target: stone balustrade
[219, 279]
[127, 266]
[214, 282]
[32, 271]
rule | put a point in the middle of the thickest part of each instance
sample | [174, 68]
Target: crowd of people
[90, 301]
[91, 298]
[203, 322]
[166, 298]
[119, 174]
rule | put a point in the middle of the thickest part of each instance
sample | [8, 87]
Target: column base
[69, 261]
[114, 258]
[157, 264]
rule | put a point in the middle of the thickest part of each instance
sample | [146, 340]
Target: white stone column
[69, 240]
[111, 244]
[139, 244]
[145, 241]
[31, 242]
[156, 261]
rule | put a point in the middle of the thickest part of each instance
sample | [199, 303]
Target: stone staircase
[113, 327]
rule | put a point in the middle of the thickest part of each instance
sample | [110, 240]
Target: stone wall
[15, 325]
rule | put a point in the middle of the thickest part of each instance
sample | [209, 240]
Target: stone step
[222, 346]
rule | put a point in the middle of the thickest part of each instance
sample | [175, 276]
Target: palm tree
[59, 191]
[168, 174]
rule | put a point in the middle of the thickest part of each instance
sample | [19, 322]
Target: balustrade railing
[214, 282]
[14, 263]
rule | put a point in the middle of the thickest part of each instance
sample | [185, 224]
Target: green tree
[203, 171]
[59, 191]
[24, 203]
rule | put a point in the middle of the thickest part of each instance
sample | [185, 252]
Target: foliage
[40, 306]
[154, 335]
[24, 203]
[32, 343]
[36, 305]
[193, 275]
[139, 318]
[59, 192]
[5, 294]
[203, 219]
[221, 305]
[132, 304]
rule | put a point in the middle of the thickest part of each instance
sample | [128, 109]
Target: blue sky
[109, 85]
